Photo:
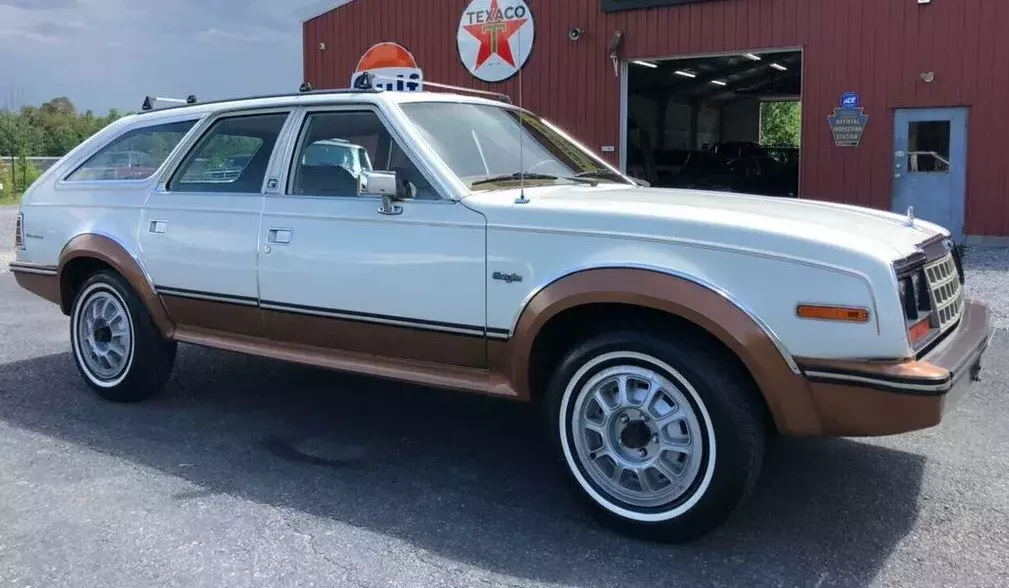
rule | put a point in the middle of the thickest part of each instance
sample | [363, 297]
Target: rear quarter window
[134, 155]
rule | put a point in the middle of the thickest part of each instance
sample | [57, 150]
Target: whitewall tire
[661, 439]
[115, 344]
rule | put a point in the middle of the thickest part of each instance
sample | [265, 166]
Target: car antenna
[522, 166]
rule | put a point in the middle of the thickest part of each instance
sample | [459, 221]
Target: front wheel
[116, 346]
[660, 438]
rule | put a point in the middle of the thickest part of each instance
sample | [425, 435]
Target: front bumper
[884, 398]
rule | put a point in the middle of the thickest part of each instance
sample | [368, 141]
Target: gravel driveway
[987, 270]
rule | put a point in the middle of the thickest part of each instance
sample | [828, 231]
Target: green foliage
[16, 178]
[780, 124]
[221, 147]
[52, 129]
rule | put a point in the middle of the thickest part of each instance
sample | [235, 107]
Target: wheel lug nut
[655, 438]
[624, 419]
[643, 452]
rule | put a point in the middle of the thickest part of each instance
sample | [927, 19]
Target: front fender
[681, 295]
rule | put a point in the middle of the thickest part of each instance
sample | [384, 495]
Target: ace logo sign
[495, 38]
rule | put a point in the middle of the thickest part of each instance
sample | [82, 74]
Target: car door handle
[158, 227]
[280, 236]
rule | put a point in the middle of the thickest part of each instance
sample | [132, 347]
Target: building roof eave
[317, 9]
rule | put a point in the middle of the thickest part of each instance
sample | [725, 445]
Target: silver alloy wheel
[637, 436]
[103, 335]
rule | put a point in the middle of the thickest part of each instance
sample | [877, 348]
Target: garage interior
[697, 123]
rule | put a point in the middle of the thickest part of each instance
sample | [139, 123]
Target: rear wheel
[116, 346]
[660, 438]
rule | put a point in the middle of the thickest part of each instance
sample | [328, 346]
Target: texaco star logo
[495, 38]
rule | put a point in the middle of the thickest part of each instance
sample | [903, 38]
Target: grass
[7, 199]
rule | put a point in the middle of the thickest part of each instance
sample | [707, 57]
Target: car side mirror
[379, 183]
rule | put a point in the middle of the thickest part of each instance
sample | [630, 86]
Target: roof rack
[150, 102]
[365, 82]
[306, 88]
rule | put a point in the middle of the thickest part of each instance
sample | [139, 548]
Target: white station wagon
[665, 333]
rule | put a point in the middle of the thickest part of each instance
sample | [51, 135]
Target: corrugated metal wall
[876, 47]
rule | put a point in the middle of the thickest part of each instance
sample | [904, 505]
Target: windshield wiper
[530, 176]
[514, 176]
[599, 173]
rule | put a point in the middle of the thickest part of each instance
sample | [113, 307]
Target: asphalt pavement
[248, 472]
[8, 219]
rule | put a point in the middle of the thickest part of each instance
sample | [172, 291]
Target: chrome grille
[946, 290]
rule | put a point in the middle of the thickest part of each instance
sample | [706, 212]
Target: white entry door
[336, 272]
[199, 230]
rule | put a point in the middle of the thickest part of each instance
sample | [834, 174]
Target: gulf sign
[392, 66]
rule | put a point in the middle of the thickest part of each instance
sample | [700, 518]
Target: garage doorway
[724, 122]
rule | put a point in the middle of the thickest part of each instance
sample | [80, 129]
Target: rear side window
[232, 156]
[134, 155]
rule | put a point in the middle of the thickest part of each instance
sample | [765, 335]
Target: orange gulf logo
[393, 66]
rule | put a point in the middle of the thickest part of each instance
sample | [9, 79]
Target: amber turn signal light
[843, 314]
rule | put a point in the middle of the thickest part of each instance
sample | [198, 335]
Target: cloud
[28, 35]
[216, 35]
[213, 48]
[41, 4]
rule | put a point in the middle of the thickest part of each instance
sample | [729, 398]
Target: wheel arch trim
[698, 301]
[715, 289]
[111, 251]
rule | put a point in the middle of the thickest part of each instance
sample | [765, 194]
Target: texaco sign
[495, 38]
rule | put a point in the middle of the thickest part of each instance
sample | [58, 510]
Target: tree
[15, 179]
[52, 129]
[780, 123]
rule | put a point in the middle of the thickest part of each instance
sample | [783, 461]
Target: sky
[111, 53]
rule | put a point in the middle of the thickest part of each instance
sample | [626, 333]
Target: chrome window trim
[80, 160]
[204, 127]
[421, 159]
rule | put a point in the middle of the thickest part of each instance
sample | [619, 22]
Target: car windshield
[486, 145]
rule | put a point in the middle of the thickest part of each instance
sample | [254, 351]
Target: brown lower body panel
[376, 339]
[418, 372]
[884, 398]
[214, 316]
[46, 286]
[851, 411]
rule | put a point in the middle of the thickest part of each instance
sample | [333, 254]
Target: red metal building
[936, 69]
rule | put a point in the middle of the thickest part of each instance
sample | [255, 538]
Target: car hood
[786, 225]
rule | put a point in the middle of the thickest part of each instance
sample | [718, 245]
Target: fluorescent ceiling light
[719, 83]
[779, 67]
[645, 63]
[751, 56]
[685, 74]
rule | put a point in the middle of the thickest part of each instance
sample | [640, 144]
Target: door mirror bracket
[387, 185]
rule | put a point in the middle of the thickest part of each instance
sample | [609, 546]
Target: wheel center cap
[635, 435]
[103, 334]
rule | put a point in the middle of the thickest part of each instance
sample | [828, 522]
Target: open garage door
[728, 123]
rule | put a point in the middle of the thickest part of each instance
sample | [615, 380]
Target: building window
[928, 146]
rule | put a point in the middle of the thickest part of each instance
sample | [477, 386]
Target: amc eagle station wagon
[665, 333]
